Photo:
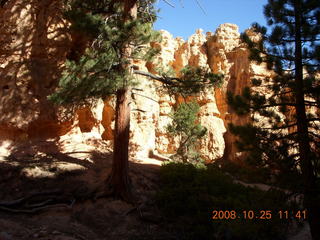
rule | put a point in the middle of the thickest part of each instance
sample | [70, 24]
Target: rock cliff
[35, 43]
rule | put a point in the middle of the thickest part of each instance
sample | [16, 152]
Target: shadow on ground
[45, 166]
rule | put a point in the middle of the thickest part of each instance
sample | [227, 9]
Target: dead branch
[150, 75]
[200, 6]
[169, 3]
[138, 89]
[139, 110]
[146, 97]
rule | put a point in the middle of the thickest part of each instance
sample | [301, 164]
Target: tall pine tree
[119, 32]
[285, 134]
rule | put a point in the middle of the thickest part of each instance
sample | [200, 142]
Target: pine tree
[119, 34]
[285, 108]
[184, 126]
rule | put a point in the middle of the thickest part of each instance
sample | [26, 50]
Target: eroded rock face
[35, 43]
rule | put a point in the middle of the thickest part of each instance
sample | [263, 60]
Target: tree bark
[310, 191]
[119, 180]
[129, 5]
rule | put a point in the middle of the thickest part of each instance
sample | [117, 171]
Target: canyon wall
[33, 48]
[35, 42]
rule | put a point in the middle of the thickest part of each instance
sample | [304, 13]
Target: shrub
[189, 195]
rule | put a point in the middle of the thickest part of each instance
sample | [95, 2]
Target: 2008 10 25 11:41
[262, 214]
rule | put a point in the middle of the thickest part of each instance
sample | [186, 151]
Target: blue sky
[183, 21]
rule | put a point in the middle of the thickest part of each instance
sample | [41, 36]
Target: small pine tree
[184, 126]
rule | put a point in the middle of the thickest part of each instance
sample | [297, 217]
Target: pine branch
[264, 52]
[269, 138]
[314, 119]
[284, 40]
[282, 127]
[311, 103]
[314, 135]
[281, 94]
[284, 137]
[311, 65]
[274, 105]
[165, 80]
[172, 81]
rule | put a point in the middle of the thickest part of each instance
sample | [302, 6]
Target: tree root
[37, 202]
[25, 199]
[144, 216]
[110, 190]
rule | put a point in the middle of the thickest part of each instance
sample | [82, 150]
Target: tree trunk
[310, 191]
[119, 179]
[119, 182]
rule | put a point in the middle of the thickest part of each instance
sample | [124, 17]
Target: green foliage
[87, 79]
[247, 173]
[184, 125]
[241, 104]
[165, 71]
[189, 195]
[193, 80]
[200, 75]
[103, 67]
